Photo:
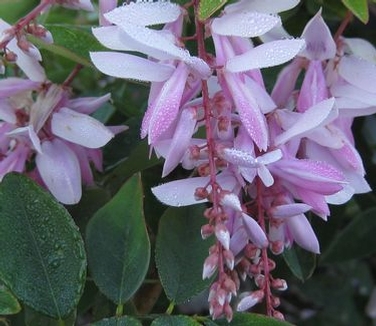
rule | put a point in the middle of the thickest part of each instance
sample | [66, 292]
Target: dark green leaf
[138, 160]
[175, 321]
[359, 8]
[247, 319]
[8, 302]
[180, 252]
[207, 8]
[42, 254]
[70, 42]
[33, 318]
[118, 321]
[302, 263]
[357, 240]
[118, 244]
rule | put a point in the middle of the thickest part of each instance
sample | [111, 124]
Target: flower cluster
[44, 132]
[266, 160]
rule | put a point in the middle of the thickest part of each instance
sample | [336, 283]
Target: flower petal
[145, 13]
[80, 128]
[319, 41]
[128, 66]
[244, 24]
[303, 233]
[265, 55]
[255, 233]
[60, 171]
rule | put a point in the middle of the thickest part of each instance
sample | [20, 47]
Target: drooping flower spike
[265, 161]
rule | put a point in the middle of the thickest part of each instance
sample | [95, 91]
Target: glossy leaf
[359, 8]
[8, 302]
[33, 318]
[118, 245]
[70, 42]
[175, 321]
[209, 7]
[118, 321]
[357, 240]
[180, 252]
[302, 263]
[42, 254]
[247, 319]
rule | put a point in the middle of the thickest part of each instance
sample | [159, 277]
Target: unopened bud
[260, 281]
[210, 266]
[249, 299]
[227, 310]
[279, 284]
[229, 285]
[201, 193]
[223, 235]
[203, 170]
[278, 315]
[276, 247]
[251, 251]
[275, 301]
[206, 231]
[194, 152]
[229, 259]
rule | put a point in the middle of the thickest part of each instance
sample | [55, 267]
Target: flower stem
[343, 25]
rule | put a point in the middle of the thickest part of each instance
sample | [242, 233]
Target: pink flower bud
[249, 299]
[223, 235]
[210, 266]
[206, 231]
[279, 284]
[229, 259]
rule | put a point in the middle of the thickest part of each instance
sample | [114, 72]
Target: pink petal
[80, 128]
[181, 192]
[358, 72]
[250, 115]
[255, 233]
[305, 122]
[288, 210]
[244, 24]
[265, 55]
[166, 106]
[128, 66]
[314, 87]
[145, 13]
[13, 85]
[181, 139]
[88, 105]
[265, 6]
[105, 6]
[110, 37]
[59, 168]
[303, 233]
[319, 42]
[361, 48]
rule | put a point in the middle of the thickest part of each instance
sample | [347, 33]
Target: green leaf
[175, 321]
[359, 8]
[13, 10]
[302, 263]
[9, 304]
[180, 252]
[70, 42]
[206, 8]
[118, 321]
[42, 253]
[138, 160]
[33, 318]
[118, 245]
[248, 319]
[357, 240]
